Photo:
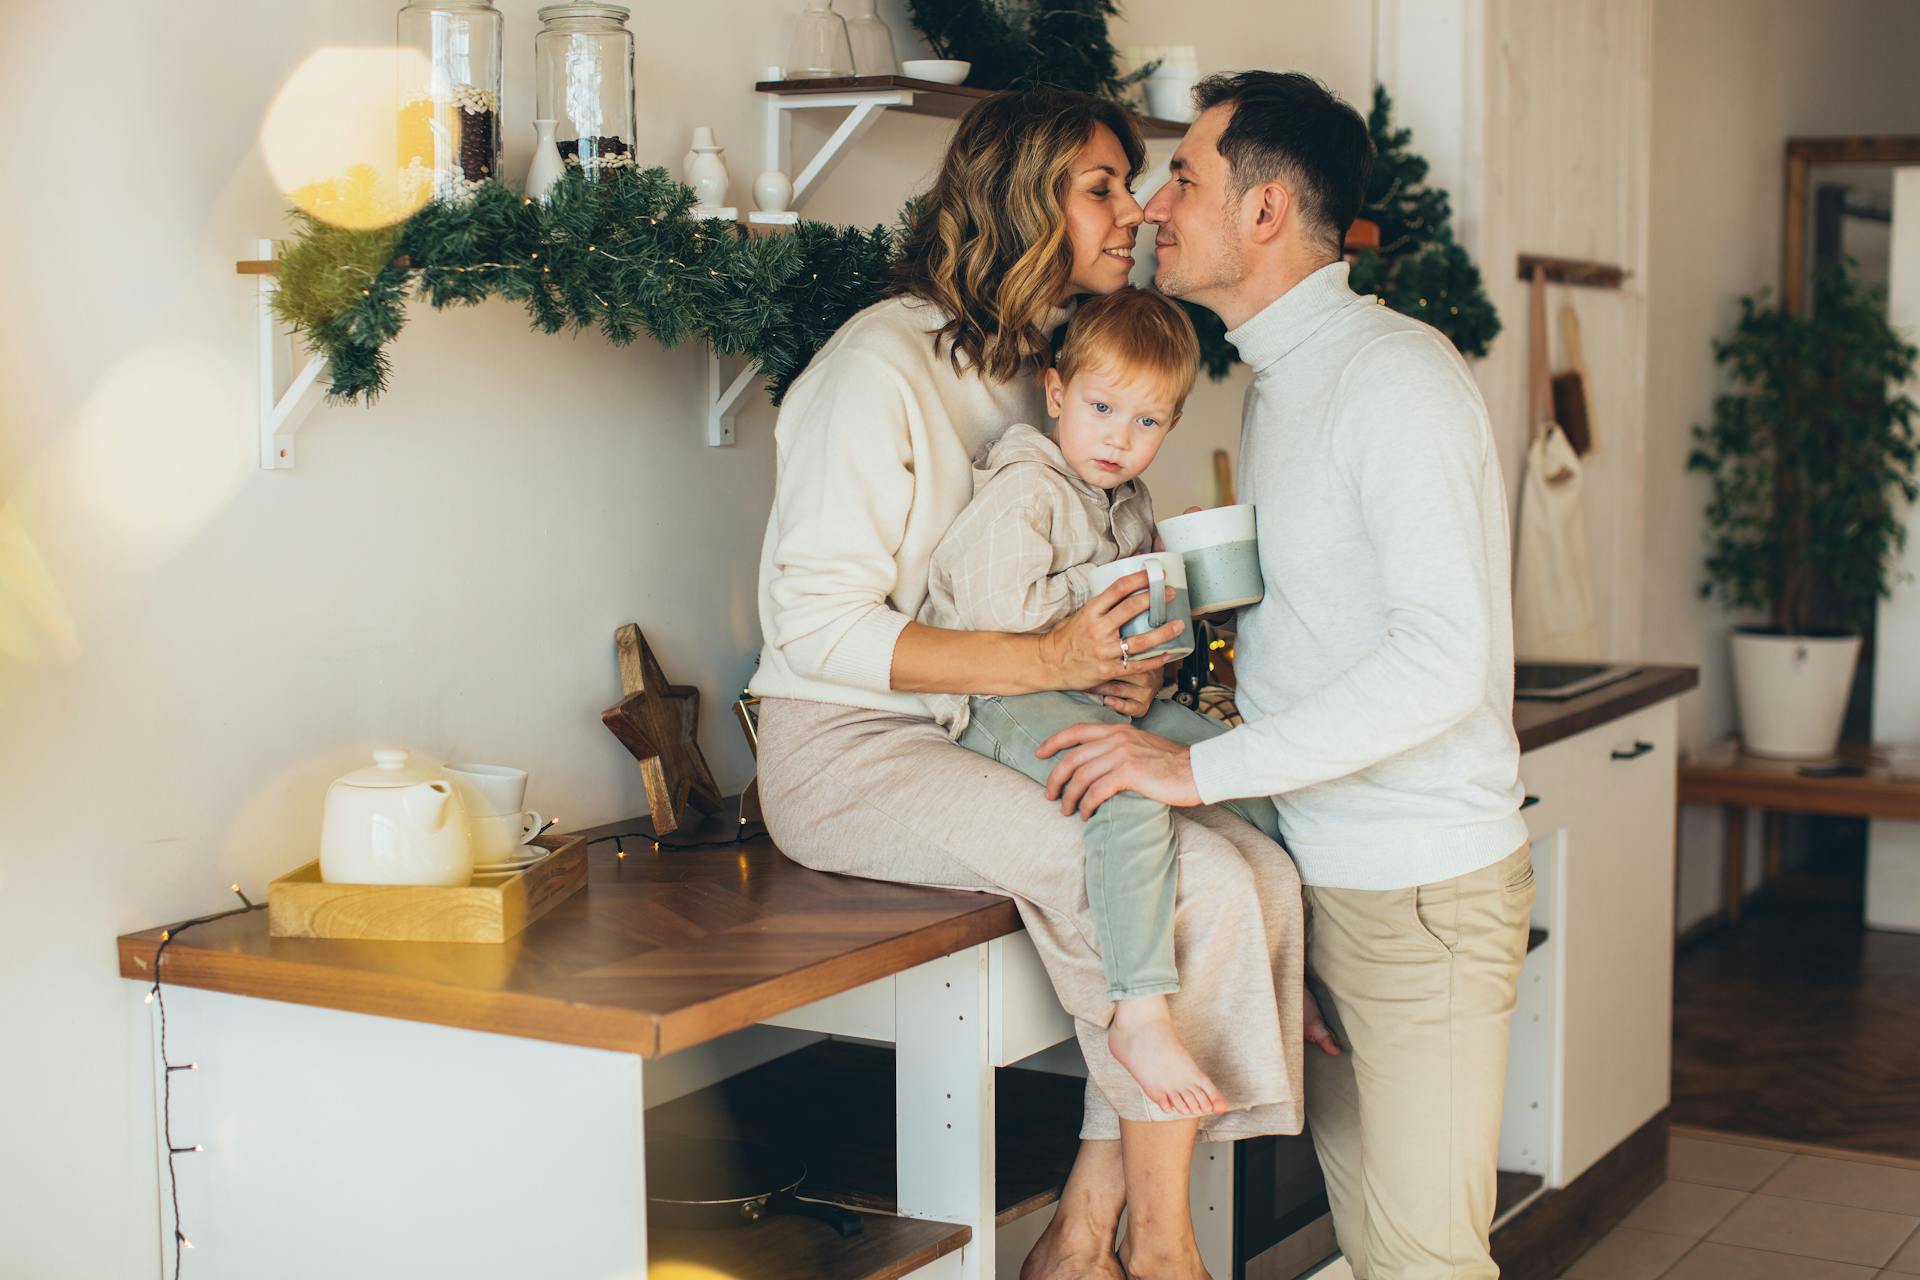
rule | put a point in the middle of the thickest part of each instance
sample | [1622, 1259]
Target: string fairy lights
[157, 996]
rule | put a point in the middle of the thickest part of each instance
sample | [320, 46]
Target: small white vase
[707, 174]
[772, 192]
[547, 167]
[1792, 692]
[702, 137]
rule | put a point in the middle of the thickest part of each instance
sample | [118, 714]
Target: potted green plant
[1811, 453]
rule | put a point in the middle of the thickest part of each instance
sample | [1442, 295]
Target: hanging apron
[1552, 578]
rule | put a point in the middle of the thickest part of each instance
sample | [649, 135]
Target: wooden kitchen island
[480, 1110]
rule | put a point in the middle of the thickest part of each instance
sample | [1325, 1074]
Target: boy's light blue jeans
[1132, 858]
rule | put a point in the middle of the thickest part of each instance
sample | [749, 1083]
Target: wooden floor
[1801, 1025]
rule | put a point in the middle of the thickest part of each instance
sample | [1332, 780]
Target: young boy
[1046, 512]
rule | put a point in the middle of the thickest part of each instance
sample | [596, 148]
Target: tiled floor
[1733, 1210]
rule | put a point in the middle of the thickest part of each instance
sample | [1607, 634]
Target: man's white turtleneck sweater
[1376, 676]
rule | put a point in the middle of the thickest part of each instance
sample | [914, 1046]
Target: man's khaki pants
[1418, 985]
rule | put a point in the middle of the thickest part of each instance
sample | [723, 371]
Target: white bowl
[938, 70]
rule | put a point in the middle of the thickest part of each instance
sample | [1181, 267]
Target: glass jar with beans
[449, 81]
[583, 81]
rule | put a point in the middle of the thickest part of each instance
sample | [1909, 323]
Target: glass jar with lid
[449, 95]
[583, 81]
[819, 50]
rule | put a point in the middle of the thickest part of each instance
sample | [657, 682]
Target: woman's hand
[1085, 651]
[1130, 695]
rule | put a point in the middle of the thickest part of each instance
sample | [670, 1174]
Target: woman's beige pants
[1418, 984]
[889, 797]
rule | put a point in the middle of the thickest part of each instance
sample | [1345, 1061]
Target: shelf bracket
[280, 414]
[725, 398]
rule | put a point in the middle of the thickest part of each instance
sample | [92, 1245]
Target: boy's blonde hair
[1133, 330]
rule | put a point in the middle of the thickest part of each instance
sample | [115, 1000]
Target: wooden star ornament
[656, 721]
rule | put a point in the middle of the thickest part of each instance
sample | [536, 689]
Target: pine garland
[621, 255]
[624, 255]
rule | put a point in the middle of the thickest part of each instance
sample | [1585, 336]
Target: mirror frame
[1802, 155]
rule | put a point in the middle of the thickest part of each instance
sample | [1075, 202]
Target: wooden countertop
[1539, 723]
[664, 951]
[659, 952]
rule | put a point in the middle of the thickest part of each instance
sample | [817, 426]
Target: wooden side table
[1779, 787]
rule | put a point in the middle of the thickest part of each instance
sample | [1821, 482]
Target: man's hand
[1316, 1028]
[1102, 760]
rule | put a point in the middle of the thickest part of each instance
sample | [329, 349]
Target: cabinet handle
[1639, 749]
[1528, 803]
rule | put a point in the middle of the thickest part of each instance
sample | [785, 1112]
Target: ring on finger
[1125, 654]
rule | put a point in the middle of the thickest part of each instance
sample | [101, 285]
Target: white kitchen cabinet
[1606, 814]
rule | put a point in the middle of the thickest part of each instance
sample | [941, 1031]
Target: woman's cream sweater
[875, 447]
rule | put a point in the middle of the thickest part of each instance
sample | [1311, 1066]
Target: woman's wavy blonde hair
[988, 243]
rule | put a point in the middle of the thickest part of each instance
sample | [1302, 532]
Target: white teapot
[394, 823]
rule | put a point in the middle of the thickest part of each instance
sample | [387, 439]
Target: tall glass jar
[871, 40]
[819, 50]
[583, 81]
[449, 95]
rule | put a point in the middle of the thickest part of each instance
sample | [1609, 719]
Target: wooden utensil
[1570, 408]
[1222, 479]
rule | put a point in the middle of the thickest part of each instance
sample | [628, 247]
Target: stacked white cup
[492, 795]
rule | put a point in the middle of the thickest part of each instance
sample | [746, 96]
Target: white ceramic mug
[1222, 555]
[1164, 569]
[502, 837]
[487, 789]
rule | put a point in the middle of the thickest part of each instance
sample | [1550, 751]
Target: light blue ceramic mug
[1164, 569]
[1222, 556]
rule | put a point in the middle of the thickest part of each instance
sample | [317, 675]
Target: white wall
[1534, 116]
[1733, 79]
[191, 648]
[1893, 848]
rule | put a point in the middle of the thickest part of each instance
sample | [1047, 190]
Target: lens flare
[674, 1269]
[35, 626]
[331, 136]
[156, 453]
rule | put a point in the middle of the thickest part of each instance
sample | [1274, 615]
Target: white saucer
[503, 868]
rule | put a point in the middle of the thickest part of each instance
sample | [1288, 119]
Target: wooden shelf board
[789, 1247]
[831, 1104]
[1758, 782]
[931, 98]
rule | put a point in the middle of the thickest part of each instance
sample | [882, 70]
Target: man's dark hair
[1290, 128]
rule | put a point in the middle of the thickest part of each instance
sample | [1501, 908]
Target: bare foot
[1056, 1256]
[1144, 1042]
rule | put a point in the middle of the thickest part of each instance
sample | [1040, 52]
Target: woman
[875, 443]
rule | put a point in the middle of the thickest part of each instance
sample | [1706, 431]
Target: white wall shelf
[864, 99]
[280, 413]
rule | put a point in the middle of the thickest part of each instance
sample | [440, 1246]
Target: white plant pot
[1792, 692]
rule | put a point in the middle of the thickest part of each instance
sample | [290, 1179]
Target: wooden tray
[302, 905]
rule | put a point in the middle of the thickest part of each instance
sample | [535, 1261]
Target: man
[1376, 676]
